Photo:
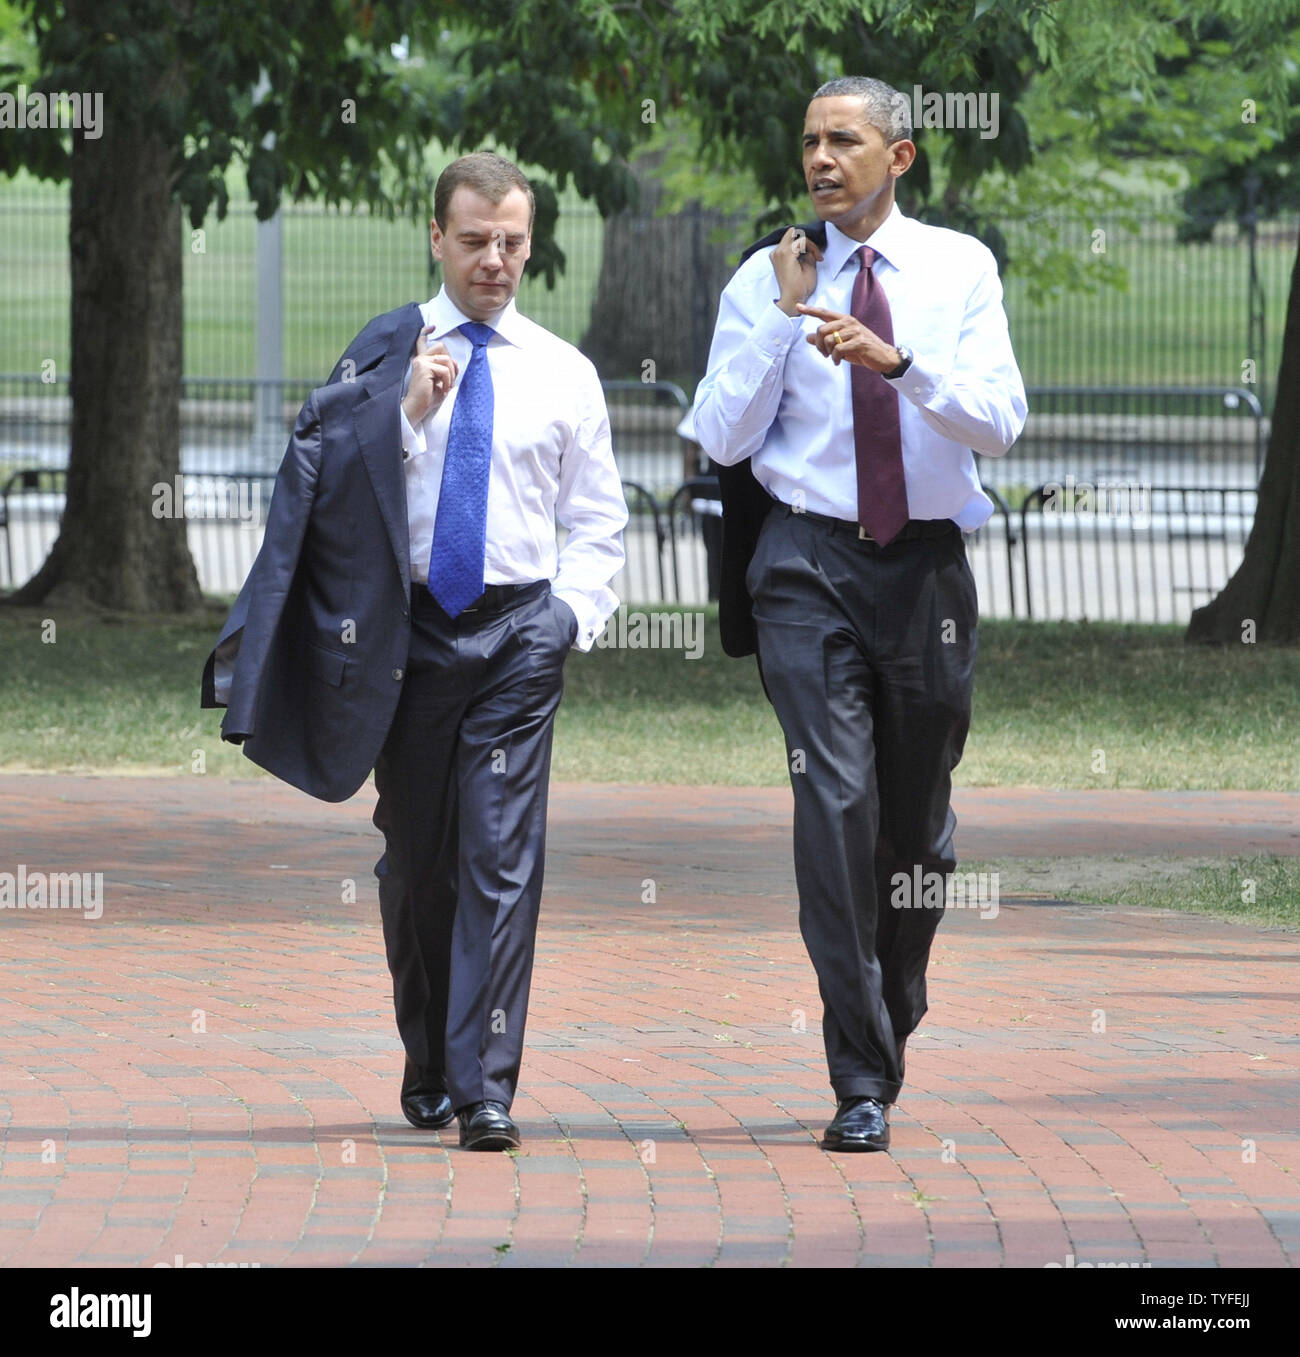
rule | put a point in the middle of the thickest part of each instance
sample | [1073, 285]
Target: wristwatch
[905, 362]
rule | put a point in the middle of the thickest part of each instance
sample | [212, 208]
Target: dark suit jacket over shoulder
[744, 507]
[309, 664]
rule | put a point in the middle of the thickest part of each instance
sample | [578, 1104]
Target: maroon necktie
[877, 443]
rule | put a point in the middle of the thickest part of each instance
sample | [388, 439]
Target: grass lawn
[1056, 705]
[1180, 321]
[340, 268]
[1259, 891]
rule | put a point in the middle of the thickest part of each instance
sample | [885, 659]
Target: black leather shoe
[428, 1111]
[428, 1108]
[861, 1124]
[487, 1126]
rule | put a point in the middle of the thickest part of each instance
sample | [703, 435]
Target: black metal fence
[1125, 504]
[1149, 559]
[1135, 435]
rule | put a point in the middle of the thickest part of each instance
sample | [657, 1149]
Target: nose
[494, 255]
[818, 157]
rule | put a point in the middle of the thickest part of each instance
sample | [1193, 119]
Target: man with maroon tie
[856, 366]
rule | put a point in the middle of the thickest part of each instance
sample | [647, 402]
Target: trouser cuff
[881, 1089]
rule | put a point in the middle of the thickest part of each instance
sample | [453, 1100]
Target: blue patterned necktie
[460, 530]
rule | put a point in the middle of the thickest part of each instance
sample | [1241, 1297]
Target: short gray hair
[883, 106]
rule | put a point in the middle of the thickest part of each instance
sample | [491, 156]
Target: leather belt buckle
[864, 535]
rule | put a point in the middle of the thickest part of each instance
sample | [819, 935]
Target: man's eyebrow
[834, 131]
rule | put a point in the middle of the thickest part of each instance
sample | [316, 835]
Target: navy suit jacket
[315, 647]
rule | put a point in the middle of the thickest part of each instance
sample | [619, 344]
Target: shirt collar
[445, 316]
[889, 240]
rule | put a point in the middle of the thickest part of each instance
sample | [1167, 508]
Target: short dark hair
[884, 107]
[485, 172]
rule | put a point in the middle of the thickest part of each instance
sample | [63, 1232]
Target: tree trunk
[125, 247]
[660, 279]
[1261, 601]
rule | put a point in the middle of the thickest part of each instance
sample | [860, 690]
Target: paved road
[210, 1069]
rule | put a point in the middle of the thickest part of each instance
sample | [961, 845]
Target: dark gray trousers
[867, 654]
[462, 784]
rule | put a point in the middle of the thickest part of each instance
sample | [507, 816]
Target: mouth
[820, 188]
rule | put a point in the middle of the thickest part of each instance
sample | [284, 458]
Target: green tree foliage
[340, 100]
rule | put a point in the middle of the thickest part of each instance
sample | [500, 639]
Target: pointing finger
[821, 312]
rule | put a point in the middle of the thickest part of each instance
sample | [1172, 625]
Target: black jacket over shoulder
[744, 506]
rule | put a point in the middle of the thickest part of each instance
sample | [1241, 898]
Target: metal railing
[1096, 530]
[694, 517]
[1152, 558]
[643, 576]
[986, 561]
[31, 505]
[1167, 435]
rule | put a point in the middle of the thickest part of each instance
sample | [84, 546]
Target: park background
[1141, 202]
[1135, 747]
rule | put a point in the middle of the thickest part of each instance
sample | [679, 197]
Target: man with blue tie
[453, 437]
[857, 364]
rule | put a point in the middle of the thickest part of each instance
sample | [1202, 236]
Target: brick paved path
[210, 1070]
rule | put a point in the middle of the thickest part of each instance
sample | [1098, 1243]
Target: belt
[912, 531]
[493, 597]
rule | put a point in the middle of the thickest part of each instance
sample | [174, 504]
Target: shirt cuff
[412, 439]
[774, 331]
[918, 384]
[591, 619]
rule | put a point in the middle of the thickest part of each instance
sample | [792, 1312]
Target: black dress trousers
[462, 783]
[867, 654]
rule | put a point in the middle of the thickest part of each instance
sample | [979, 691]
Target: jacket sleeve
[233, 674]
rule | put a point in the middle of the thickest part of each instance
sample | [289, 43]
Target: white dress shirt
[551, 462]
[772, 396]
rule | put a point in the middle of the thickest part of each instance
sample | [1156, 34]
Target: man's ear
[435, 239]
[903, 153]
